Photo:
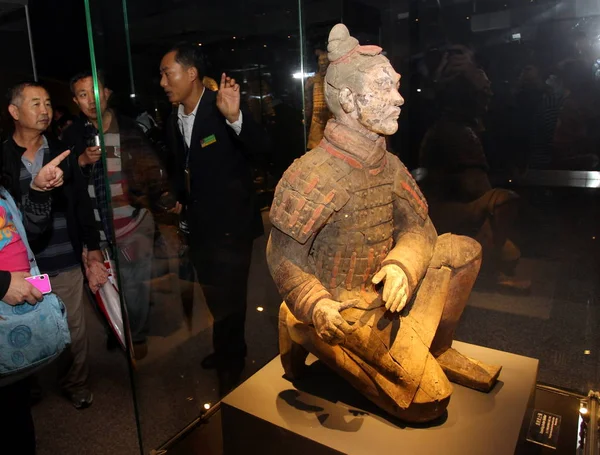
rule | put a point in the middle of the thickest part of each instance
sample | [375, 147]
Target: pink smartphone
[41, 282]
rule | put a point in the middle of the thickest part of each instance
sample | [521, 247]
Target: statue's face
[378, 103]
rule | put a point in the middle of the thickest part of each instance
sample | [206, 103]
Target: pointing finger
[59, 159]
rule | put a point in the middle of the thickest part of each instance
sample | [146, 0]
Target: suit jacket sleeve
[175, 165]
[254, 139]
[74, 139]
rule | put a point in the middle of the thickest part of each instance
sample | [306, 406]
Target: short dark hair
[15, 93]
[85, 75]
[188, 55]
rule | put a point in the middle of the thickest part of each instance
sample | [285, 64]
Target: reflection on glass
[224, 141]
[510, 159]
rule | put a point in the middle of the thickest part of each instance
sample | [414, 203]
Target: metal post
[301, 23]
[35, 76]
[128, 43]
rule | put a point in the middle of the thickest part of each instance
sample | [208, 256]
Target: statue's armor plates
[350, 208]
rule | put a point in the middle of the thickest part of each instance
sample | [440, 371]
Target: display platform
[322, 414]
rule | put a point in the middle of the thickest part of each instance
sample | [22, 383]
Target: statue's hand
[329, 323]
[395, 290]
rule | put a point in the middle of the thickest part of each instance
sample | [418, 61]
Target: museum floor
[556, 323]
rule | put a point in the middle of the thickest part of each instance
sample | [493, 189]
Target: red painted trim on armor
[314, 218]
[329, 197]
[350, 276]
[311, 185]
[293, 176]
[380, 168]
[383, 254]
[411, 178]
[300, 204]
[294, 219]
[308, 226]
[369, 267]
[414, 194]
[342, 156]
[279, 213]
[336, 267]
[320, 263]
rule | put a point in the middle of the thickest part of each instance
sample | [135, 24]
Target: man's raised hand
[228, 98]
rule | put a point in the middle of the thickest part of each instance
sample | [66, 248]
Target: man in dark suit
[210, 140]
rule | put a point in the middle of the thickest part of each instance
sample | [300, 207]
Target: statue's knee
[468, 250]
[456, 251]
[503, 198]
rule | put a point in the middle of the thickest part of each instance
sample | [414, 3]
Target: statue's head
[361, 87]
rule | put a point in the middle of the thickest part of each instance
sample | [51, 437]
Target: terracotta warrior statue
[316, 111]
[369, 287]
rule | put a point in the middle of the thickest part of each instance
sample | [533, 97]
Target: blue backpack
[30, 335]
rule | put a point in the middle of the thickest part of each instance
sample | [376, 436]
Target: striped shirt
[125, 217]
[58, 254]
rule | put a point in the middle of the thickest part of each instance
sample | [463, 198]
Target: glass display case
[498, 129]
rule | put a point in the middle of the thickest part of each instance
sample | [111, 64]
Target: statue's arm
[288, 262]
[413, 250]
[414, 234]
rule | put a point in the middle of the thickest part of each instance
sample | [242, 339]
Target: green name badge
[209, 140]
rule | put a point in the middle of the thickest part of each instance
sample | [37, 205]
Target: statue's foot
[513, 283]
[468, 372]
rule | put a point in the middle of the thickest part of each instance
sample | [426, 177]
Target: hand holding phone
[41, 283]
[21, 290]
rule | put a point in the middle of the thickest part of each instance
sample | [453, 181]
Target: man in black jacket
[138, 186]
[59, 250]
[210, 140]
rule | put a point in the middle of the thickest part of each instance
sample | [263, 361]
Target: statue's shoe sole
[468, 372]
